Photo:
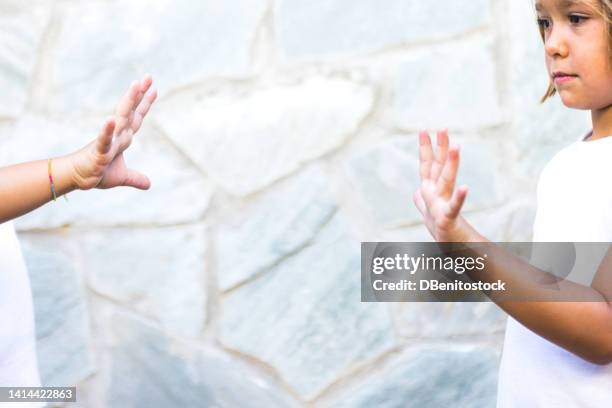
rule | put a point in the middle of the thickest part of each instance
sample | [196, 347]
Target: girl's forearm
[26, 186]
[581, 327]
[584, 328]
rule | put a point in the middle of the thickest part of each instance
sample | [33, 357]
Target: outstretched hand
[437, 198]
[101, 164]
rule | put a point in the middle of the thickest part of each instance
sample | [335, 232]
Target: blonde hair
[604, 9]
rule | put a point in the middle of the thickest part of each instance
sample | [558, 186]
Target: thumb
[457, 200]
[137, 180]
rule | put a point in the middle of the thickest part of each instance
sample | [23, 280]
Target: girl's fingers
[143, 108]
[145, 84]
[438, 164]
[147, 80]
[105, 139]
[127, 105]
[446, 182]
[457, 201]
[425, 154]
[137, 180]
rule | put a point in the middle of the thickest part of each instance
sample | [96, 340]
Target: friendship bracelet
[52, 183]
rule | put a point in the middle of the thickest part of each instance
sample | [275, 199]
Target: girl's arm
[583, 328]
[25, 187]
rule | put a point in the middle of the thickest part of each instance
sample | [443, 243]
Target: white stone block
[246, 140]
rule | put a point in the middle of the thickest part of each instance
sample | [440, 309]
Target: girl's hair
[604, 9]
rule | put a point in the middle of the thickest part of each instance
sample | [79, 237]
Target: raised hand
[437, 198]
[101, 164]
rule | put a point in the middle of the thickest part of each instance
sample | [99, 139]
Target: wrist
[459, 231]
[62, 170]
[467, 233]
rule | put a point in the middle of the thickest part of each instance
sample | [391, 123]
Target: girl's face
[576, 44]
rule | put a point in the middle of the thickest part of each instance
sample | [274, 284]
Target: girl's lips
[563, 79]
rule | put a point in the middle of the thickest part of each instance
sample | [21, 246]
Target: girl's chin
[573, 103]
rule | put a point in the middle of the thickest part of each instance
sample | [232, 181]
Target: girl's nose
[556, 43]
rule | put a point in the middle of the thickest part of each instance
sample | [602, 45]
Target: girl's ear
[549, 92]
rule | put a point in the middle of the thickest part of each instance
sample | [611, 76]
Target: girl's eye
[574, 19]
[543, 23]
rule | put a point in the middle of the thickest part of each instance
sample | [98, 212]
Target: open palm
[437, 199]
[101, 164]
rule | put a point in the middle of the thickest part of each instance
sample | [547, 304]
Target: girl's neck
[602, 122]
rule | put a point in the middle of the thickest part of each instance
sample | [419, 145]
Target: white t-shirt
[574, 204]
[18, 362]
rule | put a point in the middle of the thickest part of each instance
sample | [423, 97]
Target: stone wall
[285, 134]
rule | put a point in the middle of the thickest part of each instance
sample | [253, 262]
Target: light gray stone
[21, 31]
[247, 140]
[103, 46]
[326, 27]
[178, 192]
[521, 223]
[62, 323]
[6, 130]
[448, 319]
[279, 224]
[539, 130]
[157, 272]
[453, 87]
[388, 174]
[150, 371]
[479, 169]
[305, 317]
[418, 233]
[429, 377]
[386, 177]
